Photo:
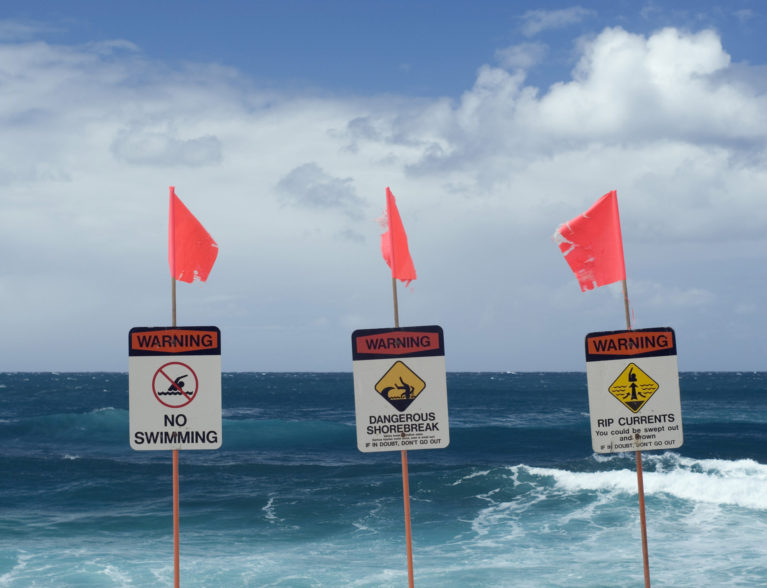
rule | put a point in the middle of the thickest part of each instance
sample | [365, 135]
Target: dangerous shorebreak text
[417, 422]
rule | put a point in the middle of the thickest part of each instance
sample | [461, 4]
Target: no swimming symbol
[175, 384]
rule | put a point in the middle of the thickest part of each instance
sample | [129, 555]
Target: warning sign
[400, 389]
[174, 387]
[633, 387]
[639, 370]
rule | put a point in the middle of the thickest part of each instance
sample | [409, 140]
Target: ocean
[517, 499]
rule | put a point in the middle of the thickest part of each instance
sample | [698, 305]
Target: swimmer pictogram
[175, 384]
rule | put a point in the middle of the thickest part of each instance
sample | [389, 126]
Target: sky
[281, 123]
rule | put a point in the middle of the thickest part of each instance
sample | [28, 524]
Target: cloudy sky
[281, 124]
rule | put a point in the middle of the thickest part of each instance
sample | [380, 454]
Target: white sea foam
[579, 528]
[369, 523]
[470, 476]
[269, 509]
[242, 412]
[498, 515]
[740, 483]
[117, 576]
[22, 560]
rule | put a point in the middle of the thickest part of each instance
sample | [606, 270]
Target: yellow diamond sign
[633, 387]
[400, 386]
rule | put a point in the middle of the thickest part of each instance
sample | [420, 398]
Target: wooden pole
[173, 301]
[626, 305]
[405, 481]
[642, 520]
[396, 304]
[176, 532]
[176, 558]
[408, 531]
[640, 480]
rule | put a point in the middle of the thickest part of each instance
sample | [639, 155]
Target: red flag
[394, 244]
[592, 244]
[191, 250]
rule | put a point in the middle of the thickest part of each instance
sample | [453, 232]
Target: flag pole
[176, 532]
[640, 480]
[198, 252]
[396, 304]
[626, 305]
[176, 558]
[642, 520]
[176, 541]
[405, 481]
[173, 301]
[408, 532]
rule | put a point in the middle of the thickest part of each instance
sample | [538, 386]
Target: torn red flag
[191, 250]
[394, 244]
[592, 244]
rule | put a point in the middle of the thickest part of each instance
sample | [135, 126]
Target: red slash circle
[175, 384]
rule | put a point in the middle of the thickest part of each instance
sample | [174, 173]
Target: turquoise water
[518, 499]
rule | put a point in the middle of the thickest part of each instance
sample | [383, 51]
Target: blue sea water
[518, 499]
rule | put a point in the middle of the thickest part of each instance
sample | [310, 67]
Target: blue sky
[426, 48]
[281, 124]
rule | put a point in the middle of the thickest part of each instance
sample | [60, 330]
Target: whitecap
[739, 483]
[269, 509]
[470, 476]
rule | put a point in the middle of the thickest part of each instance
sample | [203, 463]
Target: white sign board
[400, 389]
[174, 388]
[633, 383]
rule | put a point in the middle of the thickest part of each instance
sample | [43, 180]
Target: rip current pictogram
[633, 387]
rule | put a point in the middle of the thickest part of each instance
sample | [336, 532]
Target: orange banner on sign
[630, 343]
[397, 342]
[173, 340]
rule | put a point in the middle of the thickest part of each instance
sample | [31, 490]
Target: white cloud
[22, 30]
[654, 294]
[163, 147]
[651, 117]
[744, 15]
[660, 87]
[522, 56]
[290, 185]
[309, 186]
[537, 21]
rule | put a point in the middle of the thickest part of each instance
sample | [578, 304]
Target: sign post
[634, 404]
[400, 396]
